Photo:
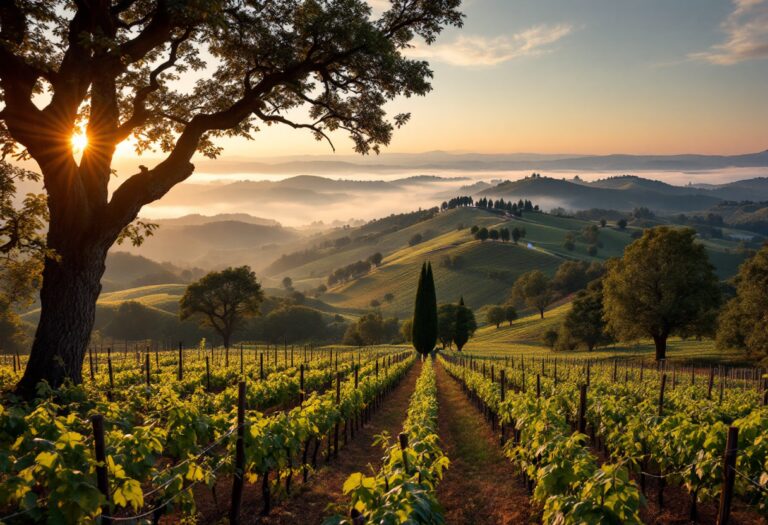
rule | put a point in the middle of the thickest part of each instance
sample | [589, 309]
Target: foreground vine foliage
[403, 490]
[164, 438]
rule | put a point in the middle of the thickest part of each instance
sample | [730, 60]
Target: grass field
[524, 337]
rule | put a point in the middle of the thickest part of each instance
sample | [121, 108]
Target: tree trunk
[661, 346]
[71, 286]
[541, 311]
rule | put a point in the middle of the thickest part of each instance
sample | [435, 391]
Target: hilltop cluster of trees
[514, 208]
[502, 234]
[457, 202]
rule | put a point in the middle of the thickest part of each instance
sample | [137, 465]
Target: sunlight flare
[79, 142]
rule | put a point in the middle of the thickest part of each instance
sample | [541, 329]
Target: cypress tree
[425, 312]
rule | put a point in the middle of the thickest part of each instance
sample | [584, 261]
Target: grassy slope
[490, 267]
[524, 338]
[316, 272]
[399, 272]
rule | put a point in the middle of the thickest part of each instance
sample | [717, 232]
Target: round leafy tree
[663, 285]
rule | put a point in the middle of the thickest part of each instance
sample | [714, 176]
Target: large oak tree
[662, 286]
[113, 66]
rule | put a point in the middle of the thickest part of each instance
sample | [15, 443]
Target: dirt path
[308, 504]
[481, 486]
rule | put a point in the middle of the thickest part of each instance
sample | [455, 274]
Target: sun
[79, 141]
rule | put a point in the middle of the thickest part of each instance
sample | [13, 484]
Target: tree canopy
[495, 315]
[533, 288]
[465, 325]
[446, 324]
[172, 77]
[663, 285]
[584, 323]
[223, 300]
[744, 320]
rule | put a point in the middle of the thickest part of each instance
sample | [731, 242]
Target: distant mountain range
[627, 192]
[486, 162]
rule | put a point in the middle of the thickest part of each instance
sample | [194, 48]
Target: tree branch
[140, 112]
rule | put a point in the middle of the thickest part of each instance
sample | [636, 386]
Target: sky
[581, 77]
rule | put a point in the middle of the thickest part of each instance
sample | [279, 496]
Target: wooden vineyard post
[237, 482]
[538, 386]
[181, 363]
[90, 363]
[146, 366]
[338, 402]
[101, 469]
[661, 394]
[301, 384]
[207, 373]
[403, 437]
[582, 423]
[722, 389]
[729, 476]
[502, 396]
[711, 382]
[111, 378]
[765, 394]
[261, 366]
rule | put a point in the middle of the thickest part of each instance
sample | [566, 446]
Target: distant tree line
[457, 202]
[354, 270]
[514, 208]
[511, 207]
[502, 234]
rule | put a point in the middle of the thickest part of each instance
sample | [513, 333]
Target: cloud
[746, 29]
[475, 50]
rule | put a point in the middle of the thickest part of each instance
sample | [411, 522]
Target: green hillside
[523, 338]
[487, 269]
[481, 272]
[317, 271]
[162, 296]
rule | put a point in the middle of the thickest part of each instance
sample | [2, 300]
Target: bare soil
[481, 485]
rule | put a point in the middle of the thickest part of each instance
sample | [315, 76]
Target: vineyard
[157, 436]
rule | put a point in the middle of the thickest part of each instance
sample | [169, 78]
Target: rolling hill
[619, 195]
[216, 243]
[486, 270]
